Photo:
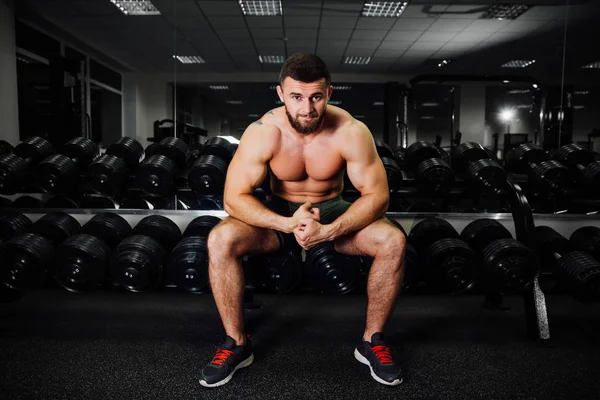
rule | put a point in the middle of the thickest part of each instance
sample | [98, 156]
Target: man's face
[305, 103]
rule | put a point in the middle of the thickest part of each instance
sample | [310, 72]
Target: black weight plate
[509, 265]
[107, 174]
[127, 149]
[488, 174]
[25, 261]
[384, 149]
[434, 175]
[201, 226]
[161, 229]
[572, 154]
[82, 151]
[109, 227]
[219, 147]
[551, 174]
[208, 174]
[136, 203]
[155, 176]
[5, 147]
[393, 173]
[480, 233]
[466, 153]
[8, 294]
[174, 149]
[418, 152]
[428, 231]
[12, 224]
[56, 227]
[187, 265]
[82, 263]
[27, 202]
[580, 272]
[137, 262]
[451, 264]
[34, 149]
[591, 177]
[13, 172]
[586, 239]
[57, 174]
[331, 272]
[279, 272]
[520, 158]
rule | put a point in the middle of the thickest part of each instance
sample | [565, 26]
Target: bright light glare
[507, 115]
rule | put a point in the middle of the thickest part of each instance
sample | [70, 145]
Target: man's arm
[246, 172]
[367, 174]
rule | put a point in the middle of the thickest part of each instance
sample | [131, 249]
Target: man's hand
[305, 211]
[310, 233]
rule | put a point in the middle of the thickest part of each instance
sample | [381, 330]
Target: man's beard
[306, 129]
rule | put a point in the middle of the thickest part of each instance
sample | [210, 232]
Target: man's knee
[223, 240]
[390, 241]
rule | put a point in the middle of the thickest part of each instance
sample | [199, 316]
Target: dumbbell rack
[523, 229]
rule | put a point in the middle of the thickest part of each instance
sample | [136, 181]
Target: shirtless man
[307, 144]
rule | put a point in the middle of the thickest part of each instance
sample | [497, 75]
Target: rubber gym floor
[58, 345]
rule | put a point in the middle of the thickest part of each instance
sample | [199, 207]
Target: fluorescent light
[430, 104]
[136, 7]
[253, 115]
[505, 11]
[357, 60]
[518, 64]
[582, 92]
[524, 106]
[518, 91]
[273, 87]
[219, 87]
[341, 87]
[535, 86]
[334, 102]
[592, 65]
[444, 62]
[378, 103]
[234, 102]
[578, 107]
[507, 114]
[190, 59]
[386, 9]
[271, 59]
[359, 116]
[261, 8]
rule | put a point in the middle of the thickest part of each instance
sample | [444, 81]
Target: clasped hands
[307, 229]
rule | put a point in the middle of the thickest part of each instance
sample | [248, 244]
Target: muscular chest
[296, 161]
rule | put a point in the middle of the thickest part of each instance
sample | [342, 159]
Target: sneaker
[228, 359]
[377, 356]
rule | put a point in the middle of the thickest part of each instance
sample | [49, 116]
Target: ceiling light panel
[357, 60]
[334, 102]
[592, 65]
[219, 87]
[385, 9]
[234, 102]
[518, 64]
[505, 11]
[136, 7]
[261, 8]
[271, 59]
[341, 87]
[189, 59]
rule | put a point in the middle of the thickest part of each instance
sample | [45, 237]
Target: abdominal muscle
[307, 189]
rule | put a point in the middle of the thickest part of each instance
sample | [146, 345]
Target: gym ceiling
[465, 32]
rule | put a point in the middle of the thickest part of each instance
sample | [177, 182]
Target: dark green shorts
[330, 210]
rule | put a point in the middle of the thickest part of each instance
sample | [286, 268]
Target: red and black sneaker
[377, 356]
[228, 359]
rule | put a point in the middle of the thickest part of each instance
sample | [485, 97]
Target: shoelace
[221, 356]
[383, 354]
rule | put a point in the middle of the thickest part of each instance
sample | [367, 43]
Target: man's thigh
[244, 239]
[370, 239]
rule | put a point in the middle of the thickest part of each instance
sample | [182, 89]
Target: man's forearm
[364, 211]
[250, 210]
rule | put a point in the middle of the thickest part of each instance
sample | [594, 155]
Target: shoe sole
[363, 360]
[247, 362]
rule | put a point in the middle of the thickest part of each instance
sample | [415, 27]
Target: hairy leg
[385, 243]
[227, 242]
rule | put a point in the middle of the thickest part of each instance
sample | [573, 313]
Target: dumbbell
[331, 272]
[156, 175]
[392, 169]
[587, 239]
[400, 156]
[276, 272]
[27, 258]
[187, 265]
[473, 160]
[446, 261]
[549, 176]
[431, 172]
[61, 173]
[577, 270]
[110, 172]
[12, 224]
[83, 260]
[507, 265]
[15, 167]
[137, 263]
[585, 162]
[207, 174]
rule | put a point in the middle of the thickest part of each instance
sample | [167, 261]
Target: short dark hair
[305, 67]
